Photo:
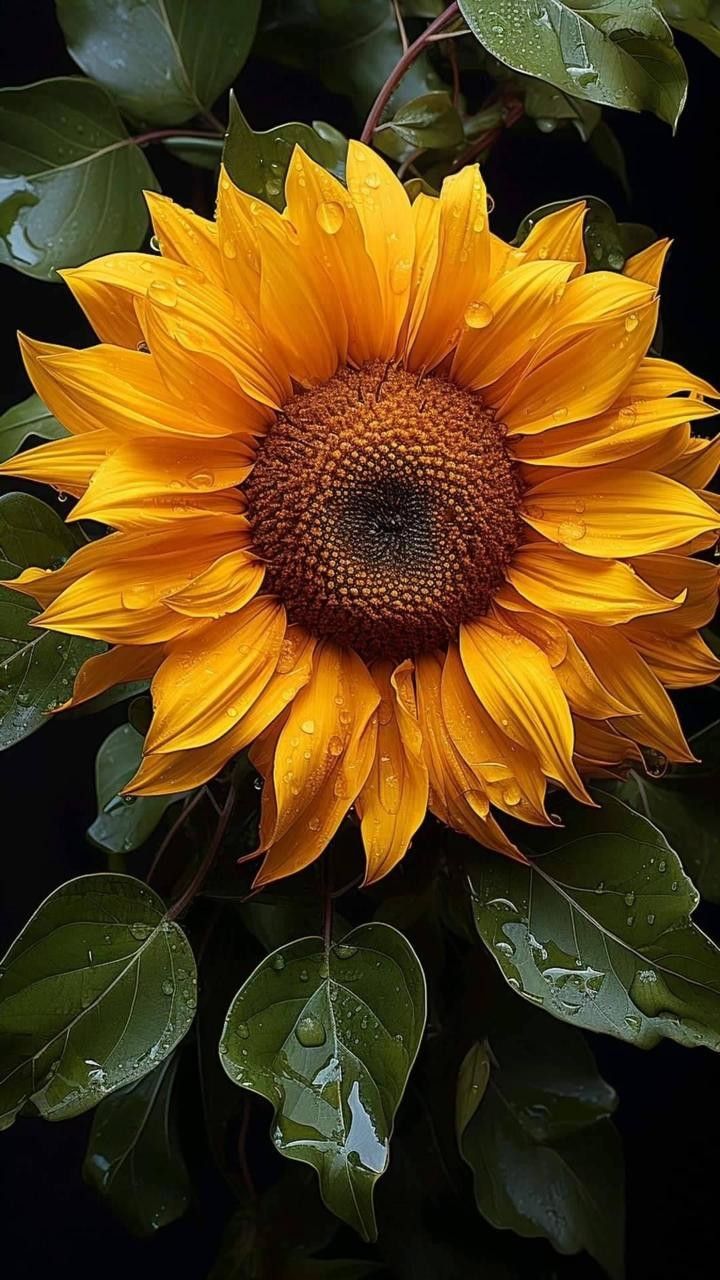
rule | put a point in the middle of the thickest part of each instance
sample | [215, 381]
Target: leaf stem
[208, 858]
[412, 52]
[159, 135]
[185, 811]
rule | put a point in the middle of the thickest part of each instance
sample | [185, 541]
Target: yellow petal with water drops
[68, 465]
[515, 683]
[647, 265]
[673, 575]
[460, 275]
[680, 661]
[515, 312]
[600, 591]
[323, 755]
[171, 771]
[627, 429]
[559, 235]
[388, 228]
[656, 377]
[329, 228]
[186, 237]
[121, 665]
[610, 513]
[213, 675]
[109, 310]
[58, 399]
[238, 218]
[456, 794]
[699, 464]
[598, 743]
[623, 671]
[510, 775]
[224, 587]
[583, 378]
[393, 801]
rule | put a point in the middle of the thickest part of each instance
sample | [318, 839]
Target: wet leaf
[472, 1083]
[330, 1039]
[352, 47]
[430, 121]
[698, 18]
[37, 668]
[608, 243]
[29, 420]
[71, 179]
[162, 60]
[96, 991]
[618, 54]
[203, 153]
[122, 825]
[549, 106]
[258, 162]
[134, 1159]
[598, 929]
[546, 1161]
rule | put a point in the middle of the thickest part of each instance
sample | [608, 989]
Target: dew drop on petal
[478, 315]
[330, 217]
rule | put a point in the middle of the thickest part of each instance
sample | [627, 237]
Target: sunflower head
[409, 511]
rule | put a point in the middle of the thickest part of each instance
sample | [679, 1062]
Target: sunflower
[407, 510]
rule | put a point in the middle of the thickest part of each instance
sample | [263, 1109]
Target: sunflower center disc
[386, 508]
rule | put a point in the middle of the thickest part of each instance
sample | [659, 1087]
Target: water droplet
[572, 530]
[344, 951]
[400, 275]
[478, 315]
[314, 824]
[335, 746]
[629, 899]
[631, 322]
[201, 479]
[140, 931]
[308, 726]
[372, 181]
[243, 1030]
[330, 217]
[278, 963]
[167, 987]
[505, 948]
[310, 1032]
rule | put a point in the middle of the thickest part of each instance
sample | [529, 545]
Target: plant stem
[412, 52]
[185, 811]
[197, 880]
[158, 135]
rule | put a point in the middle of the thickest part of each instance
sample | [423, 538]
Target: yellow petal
[599, 591]
[601, 744]
[323, 755]
[460, 275]
[622, 431]
[559, 235]
[213, 675]
[612, 513]
[186, 237]
[110, 311]
[69, 464]
[224, 587]
[697, 468]
[648, 264]
[673, 574]
[123, 664]
[515, 683]
[680, 661]
[393, 801]
[654, 377]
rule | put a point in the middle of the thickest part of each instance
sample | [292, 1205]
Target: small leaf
[330, 1039]
[598, 929]
[621, 55]
[546, 1160]
[134, 1159]
[96, 991]
[472, 1082]
[122, 825]
[37, 668]
[258, 162]
[430, 121]
[71, 180]
[25, 421]
[698, 18]
[203, 153]
[162, 60]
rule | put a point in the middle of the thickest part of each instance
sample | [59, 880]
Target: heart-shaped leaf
[37, 668]
[96, 991]
[71, 180]
[25, 421]
[123, 824]
[329, 1037]
[134, 1159]
[162, 60]
[598, 929]
[258, 162]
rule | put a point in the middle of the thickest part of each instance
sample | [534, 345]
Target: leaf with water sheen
[96, 991]
[25, 421]
[162, 60]
[618, 54]
[598, 929]
[430, 121]
[546, 1161]
[37, 668]
[122, 825]
[258, 162]
[134, 1159]
[698, 18]
[329, 1038]
[71, 180]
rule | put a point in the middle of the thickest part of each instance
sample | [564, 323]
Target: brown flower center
[386, 508]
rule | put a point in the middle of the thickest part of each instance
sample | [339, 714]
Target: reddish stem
[157, 135]
[412, 52]
[198, 879]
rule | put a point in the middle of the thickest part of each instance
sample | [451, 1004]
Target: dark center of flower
[386, 508]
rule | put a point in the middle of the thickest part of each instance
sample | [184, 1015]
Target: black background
[669, 1110]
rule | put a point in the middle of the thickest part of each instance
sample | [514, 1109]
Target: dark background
[669, 1112]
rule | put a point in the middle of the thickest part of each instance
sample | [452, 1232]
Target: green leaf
[430, 121]
[71, 180]
[608, 150]
[548, 106]
[616, 52]
[546, 1161]
[25, 421]
[698, 18]
[598, 929]
[122, 825]
[134, 1159]
[162, 60]
[352, 47]
[329, 1038]
[473, 1080]
[37, 668]
[258, 162]
[203, 153]
[608, 243]
[96, 991]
